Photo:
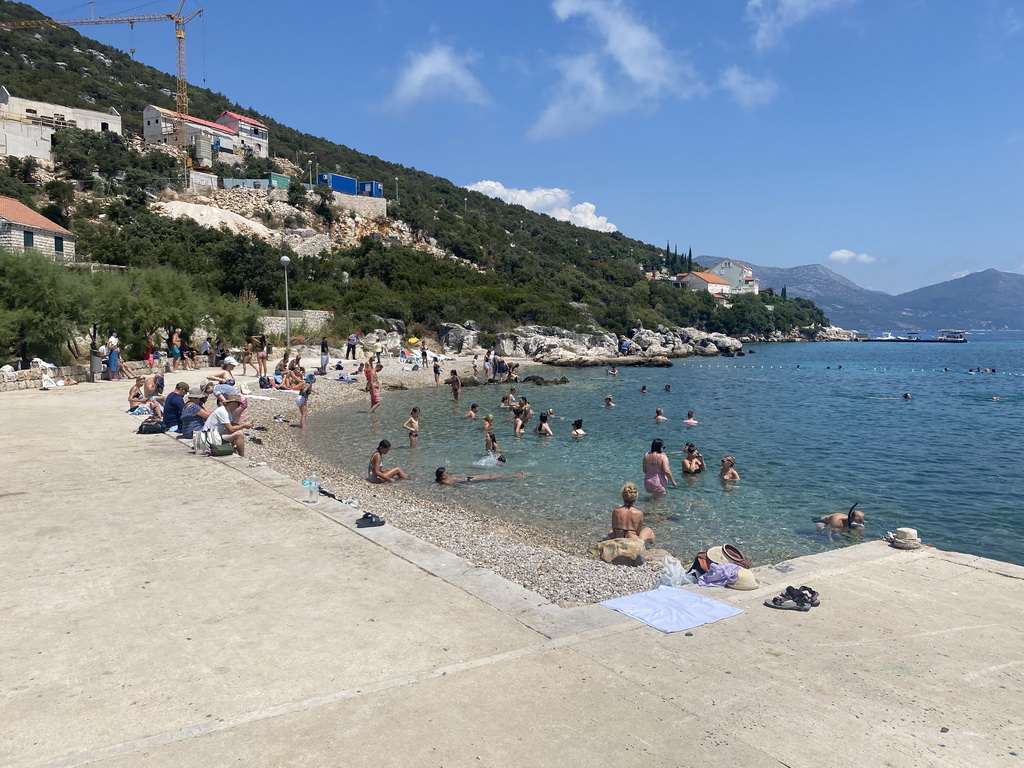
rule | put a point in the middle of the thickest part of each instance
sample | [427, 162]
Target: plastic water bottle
[314, 488]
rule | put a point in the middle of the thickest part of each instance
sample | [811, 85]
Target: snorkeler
[852, 519]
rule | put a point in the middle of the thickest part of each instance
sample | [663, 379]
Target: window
[29, 239]
[58, 245]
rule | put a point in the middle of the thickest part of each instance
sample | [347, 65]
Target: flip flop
[785, 604]
[369, 520]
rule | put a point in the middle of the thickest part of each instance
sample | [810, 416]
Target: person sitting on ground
[291, 379]
[376, 473]
[729, 469]
[224, 380]
[853, 519]
[577, 428]
[442, 477]
[174, 404]
[693, 462]
[543, 429]
[153, 386]
[195, 413]
[659, 415]
[136, 394]
[627, 520]
[220, 420]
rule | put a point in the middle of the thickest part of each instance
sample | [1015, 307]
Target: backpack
[152, 428]
[264, 382]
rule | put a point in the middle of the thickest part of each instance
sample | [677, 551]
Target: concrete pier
[163, 609]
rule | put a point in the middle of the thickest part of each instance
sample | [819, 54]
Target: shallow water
[808, 441]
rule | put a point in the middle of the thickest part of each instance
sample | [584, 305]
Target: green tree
[297, 195]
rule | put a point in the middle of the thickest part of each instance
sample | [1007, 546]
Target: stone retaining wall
[315, 320]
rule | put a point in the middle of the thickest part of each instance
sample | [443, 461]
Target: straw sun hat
[745, 580]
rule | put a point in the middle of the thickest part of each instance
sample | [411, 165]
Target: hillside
[513, 266]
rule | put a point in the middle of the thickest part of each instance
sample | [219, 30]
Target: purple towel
[720, 575]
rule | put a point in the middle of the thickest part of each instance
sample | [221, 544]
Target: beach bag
[152, 428]
[264, 382]
[224, 449]
[202, 439]
[701, 563]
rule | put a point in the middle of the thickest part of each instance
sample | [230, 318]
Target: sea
[816, 428]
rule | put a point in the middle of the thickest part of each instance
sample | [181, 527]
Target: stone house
[703, 281]
[22, 229]
[739, 276]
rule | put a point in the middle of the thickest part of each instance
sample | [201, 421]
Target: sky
[881, 138]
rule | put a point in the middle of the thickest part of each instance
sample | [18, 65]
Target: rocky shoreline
[554, 564]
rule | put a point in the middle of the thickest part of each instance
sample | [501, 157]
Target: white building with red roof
[252, 134]
[22, 229]
[703, 281]
[739, 276]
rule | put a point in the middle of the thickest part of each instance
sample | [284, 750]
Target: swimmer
[668, 387]
[852, 519]
[442, 477]
[488, 422]
[543, 429]
[729, 469]
[577, 428]
[375, 473]
[491, 446]
[689, 420]
[906, 395]
[471, 413]
[613, 371]
[627, 520]
[520, 421]
[505, 402]
[412, 425]
[693, 464]
[551, 413]
[659, 415]
[656, 469]
[995, 399]
[643, 390]
[608, 402]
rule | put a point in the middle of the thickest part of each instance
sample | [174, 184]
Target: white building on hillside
[27, 126]
[252, 135]
[739, 276]
[22, 229]
[703, 281]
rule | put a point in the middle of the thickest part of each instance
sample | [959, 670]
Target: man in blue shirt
[174, 403]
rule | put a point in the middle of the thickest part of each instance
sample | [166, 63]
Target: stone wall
[314, 319]
[32, 378]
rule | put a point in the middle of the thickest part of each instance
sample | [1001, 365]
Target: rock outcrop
[620, 551]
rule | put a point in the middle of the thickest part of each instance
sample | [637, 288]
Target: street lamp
[285, 261]
[397, 198]
[309, 164]
[465, 203]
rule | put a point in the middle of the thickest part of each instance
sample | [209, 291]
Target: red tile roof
[19, 213]
[710, 278]
[200, 121]
[244, 119]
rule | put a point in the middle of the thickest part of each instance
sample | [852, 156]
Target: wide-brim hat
[232, 398]
[196, 393]
[745, 580]
[725, 554]
[230, 361]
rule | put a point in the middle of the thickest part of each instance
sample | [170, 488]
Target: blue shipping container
[337, 182]
[371, 188]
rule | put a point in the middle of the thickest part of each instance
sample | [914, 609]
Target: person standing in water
[627, 520]
[656, 469]
[693, 464]
[577, 428]
[456, 383]
[659, 415]
[689, 420]
[543, 429]
[729, 469]
[412, 425]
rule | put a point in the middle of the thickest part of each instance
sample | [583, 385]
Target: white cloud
[962, 273]
[747, 90]
[844, 256]
[630, 66]
[438, 73]
[553, 201]
[1012, 23]
[771, 18]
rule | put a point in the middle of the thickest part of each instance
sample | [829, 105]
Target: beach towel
[671, 610]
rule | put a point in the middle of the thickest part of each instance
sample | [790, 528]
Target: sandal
[790, 600]
[810, 596]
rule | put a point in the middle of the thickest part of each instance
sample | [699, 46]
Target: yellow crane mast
[180, 126]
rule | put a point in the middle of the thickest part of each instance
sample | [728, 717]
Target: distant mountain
[989, 299]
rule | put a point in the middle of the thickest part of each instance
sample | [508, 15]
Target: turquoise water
[808, 441]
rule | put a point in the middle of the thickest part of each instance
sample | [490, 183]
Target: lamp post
[397, 198]
[309, 164]
[285, 261]
[465, 204]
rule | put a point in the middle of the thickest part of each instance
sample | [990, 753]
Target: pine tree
[783, 294]
[689, 260]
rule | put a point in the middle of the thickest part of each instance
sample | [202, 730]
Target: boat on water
[948, 336]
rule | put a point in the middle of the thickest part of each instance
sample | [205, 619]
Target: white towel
[672, 610]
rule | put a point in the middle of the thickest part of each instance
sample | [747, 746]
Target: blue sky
[882, 138]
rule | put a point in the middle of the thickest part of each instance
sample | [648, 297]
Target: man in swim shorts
[175, 348]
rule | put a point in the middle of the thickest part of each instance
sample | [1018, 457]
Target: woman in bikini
[261, 355]
[627, 520]
[375, 473]
[656, 469]
[693, 463]
[543, 429]
[442, 477]
[520, 422]
[492, 447]
[412, 425]
[729, 469]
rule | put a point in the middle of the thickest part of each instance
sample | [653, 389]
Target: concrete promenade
[163, 609]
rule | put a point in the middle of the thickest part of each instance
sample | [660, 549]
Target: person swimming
[854, 518]
[442, 477]
[656, 469]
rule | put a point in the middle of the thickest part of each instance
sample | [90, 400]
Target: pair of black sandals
[793, 599]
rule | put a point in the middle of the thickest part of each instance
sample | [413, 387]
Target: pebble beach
[554, 564]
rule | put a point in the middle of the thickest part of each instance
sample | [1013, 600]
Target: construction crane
[181, 114]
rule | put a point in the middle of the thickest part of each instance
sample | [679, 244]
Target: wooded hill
[532, 268]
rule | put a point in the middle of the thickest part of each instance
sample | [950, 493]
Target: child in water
[412, 425]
